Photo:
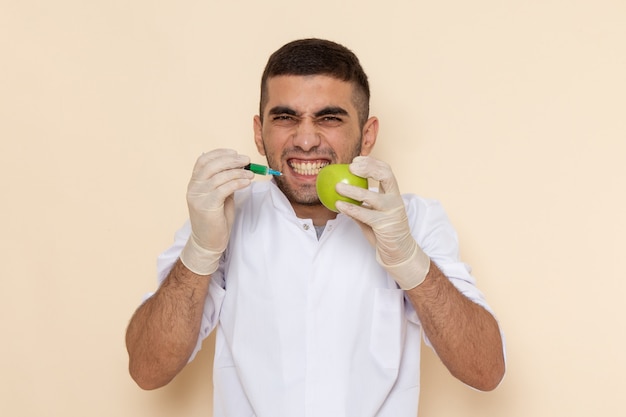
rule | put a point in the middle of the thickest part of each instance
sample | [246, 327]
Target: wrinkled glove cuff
[410, 273]
[198, 260]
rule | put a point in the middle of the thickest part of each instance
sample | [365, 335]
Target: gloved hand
[212, 207]
[384, 222]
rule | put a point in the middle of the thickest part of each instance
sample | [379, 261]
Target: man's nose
[307, 136]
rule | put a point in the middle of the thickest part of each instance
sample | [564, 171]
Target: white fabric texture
[309, 327]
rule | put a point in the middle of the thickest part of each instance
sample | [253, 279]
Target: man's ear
[370, 133]
[258, 135]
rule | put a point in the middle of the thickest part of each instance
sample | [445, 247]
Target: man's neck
[317, 213]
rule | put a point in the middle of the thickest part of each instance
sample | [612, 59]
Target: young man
[317, 313]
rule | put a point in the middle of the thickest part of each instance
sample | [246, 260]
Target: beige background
[512, 113]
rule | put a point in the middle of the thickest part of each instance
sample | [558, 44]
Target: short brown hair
[319, 57]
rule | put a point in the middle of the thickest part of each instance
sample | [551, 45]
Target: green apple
[329, 176]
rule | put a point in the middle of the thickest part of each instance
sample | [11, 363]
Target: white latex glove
[384, 222]
[212, 207]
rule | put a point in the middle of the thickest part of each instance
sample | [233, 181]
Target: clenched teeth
[308, 168]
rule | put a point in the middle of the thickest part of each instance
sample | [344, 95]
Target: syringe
[262, 170]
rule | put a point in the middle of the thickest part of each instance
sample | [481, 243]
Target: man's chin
[303, 197]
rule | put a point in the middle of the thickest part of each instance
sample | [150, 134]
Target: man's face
[308, 123]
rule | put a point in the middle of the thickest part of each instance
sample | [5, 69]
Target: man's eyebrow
[332, 110]
[282, 110]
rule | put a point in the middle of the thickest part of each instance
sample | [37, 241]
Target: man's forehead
[282, 81]
[308, 89]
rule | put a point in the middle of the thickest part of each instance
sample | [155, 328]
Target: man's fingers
[352, 191]
[216, 176]
[211, 194]
[211, 163]
[369, 167]
[371, 199]
[359, 213]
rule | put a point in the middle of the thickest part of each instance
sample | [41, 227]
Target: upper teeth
[308, 168]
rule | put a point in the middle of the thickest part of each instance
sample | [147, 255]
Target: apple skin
[328, 178]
